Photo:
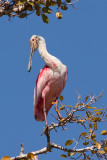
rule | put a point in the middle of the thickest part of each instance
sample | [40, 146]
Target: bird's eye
[32, 39]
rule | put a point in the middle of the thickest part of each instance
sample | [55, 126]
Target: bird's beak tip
[28, 69]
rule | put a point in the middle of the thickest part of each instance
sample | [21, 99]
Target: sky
[79, 40]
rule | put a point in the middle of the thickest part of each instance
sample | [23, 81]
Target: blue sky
[79, 40]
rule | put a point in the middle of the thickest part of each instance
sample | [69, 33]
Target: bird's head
[34, 42]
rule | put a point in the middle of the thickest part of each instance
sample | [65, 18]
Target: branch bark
[53, 145]
[12, 8]
[71, 118]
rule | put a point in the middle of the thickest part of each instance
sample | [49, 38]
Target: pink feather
[49, 85]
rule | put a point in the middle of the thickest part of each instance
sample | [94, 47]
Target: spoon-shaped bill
[30, 61]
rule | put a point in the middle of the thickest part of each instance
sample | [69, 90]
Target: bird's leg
[44, 111]
[56, 109]
[46, 129]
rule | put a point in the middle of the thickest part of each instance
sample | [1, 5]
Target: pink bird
[50, 81]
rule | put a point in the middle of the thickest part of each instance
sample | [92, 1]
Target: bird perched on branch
[50, 81]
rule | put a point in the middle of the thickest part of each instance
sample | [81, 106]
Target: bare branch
[22, 150]
[43, 150]
[53, 145]
[72, 150]
[73, 117]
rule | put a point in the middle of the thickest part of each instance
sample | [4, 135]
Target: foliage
[89, 118]
[23, 8]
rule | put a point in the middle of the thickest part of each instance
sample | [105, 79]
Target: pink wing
[50, 86]
[41, 84]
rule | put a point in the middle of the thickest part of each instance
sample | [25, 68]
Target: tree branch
[13, 9]
[73, 118]
[53, 145]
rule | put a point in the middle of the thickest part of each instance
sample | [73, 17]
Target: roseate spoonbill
[50, 81]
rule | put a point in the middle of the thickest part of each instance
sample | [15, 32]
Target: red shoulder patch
[41, 73]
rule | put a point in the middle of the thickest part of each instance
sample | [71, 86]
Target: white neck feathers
[53, 62]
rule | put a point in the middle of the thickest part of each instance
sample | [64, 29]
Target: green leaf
[84, 134]
[19, 2]
[68, 1]
[45, 18]
[40, 2]
[68, 142]
[104, 132]
[57, 111]
[80, 120]
[97, 110]
[96, 119]
[90, 125]
[61, 120]
[37, 7]
[46, 10]
[31, 3]
[94, 140]
[63, 156]
[62, 107]
[59, 3]
[98, 145]
[22, 15]
[105, 149]
[85, 143]
[98, 113]
[70, 154]
[93, 136]
[87, 114]
[89, 107]
[53, 3]
[106, 143]
[64, 7]
[86, 99]
[93, 152]
[61, 98]
[29, 8]
[38, 12]
[54, 102]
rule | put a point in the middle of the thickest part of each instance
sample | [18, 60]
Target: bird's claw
[45, 130]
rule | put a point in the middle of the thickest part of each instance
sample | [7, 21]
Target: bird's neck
[48, 58]
[43, 52]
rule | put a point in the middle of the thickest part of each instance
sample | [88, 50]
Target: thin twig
[22, 150]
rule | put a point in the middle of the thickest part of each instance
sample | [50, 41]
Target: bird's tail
[38, 114]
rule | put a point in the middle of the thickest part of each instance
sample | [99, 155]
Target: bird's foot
[45, 130]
